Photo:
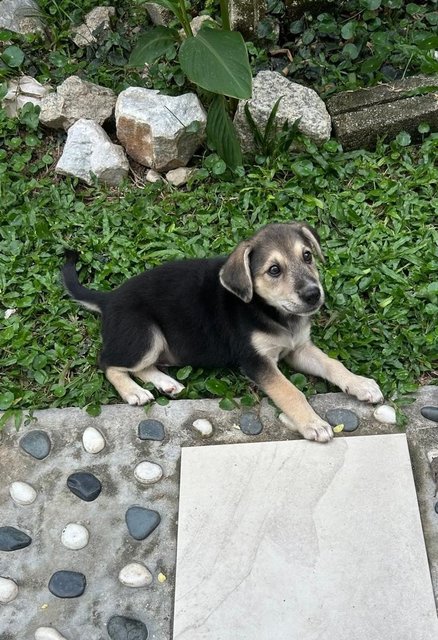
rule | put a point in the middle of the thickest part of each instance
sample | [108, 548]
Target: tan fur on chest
[276, 346]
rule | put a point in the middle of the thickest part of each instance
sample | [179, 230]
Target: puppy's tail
[92, 300]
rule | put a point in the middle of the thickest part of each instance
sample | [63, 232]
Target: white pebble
[48, 633]
[93, 440]
[22, 493]
[135, 575]
[385, 414]
[75, 536]
[8, 590]
[148, 472]
[9, 313]
[204, 427]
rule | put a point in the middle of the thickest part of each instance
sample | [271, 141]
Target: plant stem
[225, 15]
[185, 19]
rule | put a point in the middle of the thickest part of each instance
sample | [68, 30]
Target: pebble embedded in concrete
[250, 424]
[135, 574]
[37, 444]
[385, 414]
[148, 472]
[151, 430]
[12, 539]
[67, 584]
[122, 628]
[48, 633]
[22, 493]
[431, 413]
[84, 485]
[92, 440]
[8, 590]
[141, 522]
[75, 536]
[203, 427]
[342, 416]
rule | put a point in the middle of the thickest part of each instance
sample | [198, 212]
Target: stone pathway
[90, 507]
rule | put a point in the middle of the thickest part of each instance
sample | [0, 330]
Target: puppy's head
[277, 264]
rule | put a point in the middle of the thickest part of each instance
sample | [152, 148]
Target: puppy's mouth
[303, 309]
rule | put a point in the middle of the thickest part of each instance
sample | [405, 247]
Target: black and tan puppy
[247, 310]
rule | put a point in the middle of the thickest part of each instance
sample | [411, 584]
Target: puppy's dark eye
[274, 271]
[307, 256]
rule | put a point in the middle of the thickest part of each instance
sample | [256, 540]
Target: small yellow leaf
[338, 428]
[161, 577]
[44, 606]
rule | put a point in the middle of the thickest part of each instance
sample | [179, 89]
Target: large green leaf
[217, 61]
[221, 133]
[151, 45]
[13, 56]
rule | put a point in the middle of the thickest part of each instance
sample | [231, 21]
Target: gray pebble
[121, 628]
[141, 522]
[37, 444]
[342, 416]
[250, 424]
[151, 430]
[431, 413]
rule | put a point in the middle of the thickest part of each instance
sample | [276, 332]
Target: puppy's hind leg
[129, 390]
[160, 380]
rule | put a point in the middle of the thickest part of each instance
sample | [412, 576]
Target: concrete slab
[289, 540]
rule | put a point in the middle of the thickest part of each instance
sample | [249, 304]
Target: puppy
[248, 310]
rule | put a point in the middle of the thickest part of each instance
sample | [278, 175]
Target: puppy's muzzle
[311, 295]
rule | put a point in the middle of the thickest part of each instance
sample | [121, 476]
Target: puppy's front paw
[364, 389]
[138, 397]
[317, 429]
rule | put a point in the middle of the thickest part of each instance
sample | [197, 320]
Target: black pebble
[67, 584]
[436, 507]
[12, 539]
[342, 416]
[37, 444]
[431, 413]
[141, 522]
[151, 430]
[121, 628]
[250, 424]
[84, 485]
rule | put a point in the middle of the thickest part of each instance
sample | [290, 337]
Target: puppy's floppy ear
[313, 237]
[235, 275]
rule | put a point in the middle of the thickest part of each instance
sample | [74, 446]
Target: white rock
[155, 129]
[158, 14]
[75, 99]
[385, 414]
[178, 177]
[97, 19]
[204, 427]
[21, 91]
[75, 536]
[93, 440]
[153, 176]
[296, 102]
[48, 633]
[89, 151]
[148, 472]
[22, 493]
[8, 590]
[9, 313]
[135, 575]
[196, 25]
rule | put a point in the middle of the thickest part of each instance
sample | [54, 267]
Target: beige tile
[301, 541]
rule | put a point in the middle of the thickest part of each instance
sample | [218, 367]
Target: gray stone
[37, 444]
[75, 99]
[122, 628]
[20, 16]
[84, 485]
[245, 16]
[159, 15]
[153, 176]
[179, 177]
[361, 117]
[89, 152]
[296, 102]
[342, 416]
[98, 19]
[21, 91]
[12, 539]
[151, 430]
[141, 522]
[250, 424]
[431, 413]
[67, 584]
[155, 128]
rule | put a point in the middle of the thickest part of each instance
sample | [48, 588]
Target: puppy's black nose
[311, 294]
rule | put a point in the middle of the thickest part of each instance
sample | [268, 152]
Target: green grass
[374, 211]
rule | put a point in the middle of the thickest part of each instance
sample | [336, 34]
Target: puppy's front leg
[310, 359]
[297, 412]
